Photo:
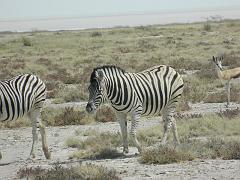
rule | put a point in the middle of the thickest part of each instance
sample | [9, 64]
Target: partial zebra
[149, 92]
[24, 95]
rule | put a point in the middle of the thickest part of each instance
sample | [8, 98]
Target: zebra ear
[99, 74]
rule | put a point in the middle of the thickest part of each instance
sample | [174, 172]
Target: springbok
[226, 75]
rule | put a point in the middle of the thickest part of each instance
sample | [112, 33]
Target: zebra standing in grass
[21, 95]
[149, 92]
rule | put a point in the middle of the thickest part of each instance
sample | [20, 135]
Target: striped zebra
[24, 95]
[149, 92]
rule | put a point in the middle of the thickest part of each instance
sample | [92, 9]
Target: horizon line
[139, 13]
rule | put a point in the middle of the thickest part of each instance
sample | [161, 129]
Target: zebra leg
[135, 119]
[34, 133]
[35, 117]
[44, 141]
[175, 133]
[122, 119]
[167, 120]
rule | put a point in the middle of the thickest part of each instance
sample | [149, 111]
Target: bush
[98, 146]
[88, 171]
[165, 155]
[96, 34]
[70, 94]
[191, 149]
[26, 41]
[67, 116]
[207, 26]
[229, 113]
[105, 114]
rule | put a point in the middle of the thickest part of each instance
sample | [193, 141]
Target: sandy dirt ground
[15, 145]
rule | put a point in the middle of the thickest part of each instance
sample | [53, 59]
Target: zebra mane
[93, 76]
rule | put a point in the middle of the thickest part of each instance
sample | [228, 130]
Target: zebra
[149, 92]
[25, 95]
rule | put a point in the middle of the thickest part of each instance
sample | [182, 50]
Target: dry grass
[97, 146]
[105, 114]
[21, 122]
[67, 116]
[221, 96]
[211, 149]
[165, 155]
[82, 172]
[195, 126]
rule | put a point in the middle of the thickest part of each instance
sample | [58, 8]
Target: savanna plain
[87, 146]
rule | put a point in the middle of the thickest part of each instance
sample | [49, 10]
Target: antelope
[226, 75]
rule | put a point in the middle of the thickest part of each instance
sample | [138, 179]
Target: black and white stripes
[24, 95]
[149, 92]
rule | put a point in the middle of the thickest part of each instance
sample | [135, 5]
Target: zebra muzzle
[90, 108]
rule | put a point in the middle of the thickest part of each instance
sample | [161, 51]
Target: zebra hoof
[47, 155]
[32, 156]
[125, 151]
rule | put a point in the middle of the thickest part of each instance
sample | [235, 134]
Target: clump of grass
[73, 142]
[195, 89]
[165, 155]
[207, 26]
[144, 45]
[221, 96]
[70, 94]
[220, 148]
[96, 34]
[211, 149]
[188, 64]
[216, 97]
[193, 126]
[105, 114]
[205, 126]
[188, 116]
[88, 171]
[21, 122]
[67, 116]
[231, 59]
[229, 113]
[183, 105]
[26, 41]
[98, 146]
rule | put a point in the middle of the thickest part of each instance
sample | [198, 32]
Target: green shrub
[207, 26]
[26, 41]
[96, 34]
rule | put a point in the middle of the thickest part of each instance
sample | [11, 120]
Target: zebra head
[96, 91]
[218, 62]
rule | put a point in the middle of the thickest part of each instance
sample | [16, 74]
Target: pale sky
[36, 9]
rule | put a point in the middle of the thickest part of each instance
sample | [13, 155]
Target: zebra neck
[114, 88]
